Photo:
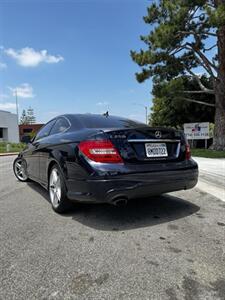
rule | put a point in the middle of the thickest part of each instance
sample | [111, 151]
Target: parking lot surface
[168, 247]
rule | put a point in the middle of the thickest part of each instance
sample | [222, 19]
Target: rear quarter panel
[62, 150]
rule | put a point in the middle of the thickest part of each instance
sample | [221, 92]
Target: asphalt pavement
[168, 247]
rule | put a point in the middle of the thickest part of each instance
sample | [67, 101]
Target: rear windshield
[98, 121]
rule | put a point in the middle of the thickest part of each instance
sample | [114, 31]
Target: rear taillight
[100, 151]
[187, 152]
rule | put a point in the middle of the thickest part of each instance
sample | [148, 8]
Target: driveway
[168, 247]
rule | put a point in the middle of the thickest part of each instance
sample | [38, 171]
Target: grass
[207, 153]
[13, 147]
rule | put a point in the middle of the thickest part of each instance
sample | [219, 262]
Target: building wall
[8, 122]
[26, 129]
[23, 128]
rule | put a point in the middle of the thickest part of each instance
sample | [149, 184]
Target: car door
[31, 157]
[50, 143]
[33, 153]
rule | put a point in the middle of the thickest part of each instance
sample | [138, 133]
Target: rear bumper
[107, 190]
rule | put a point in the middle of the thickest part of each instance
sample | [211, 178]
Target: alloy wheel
[20, 170]
[55, 189]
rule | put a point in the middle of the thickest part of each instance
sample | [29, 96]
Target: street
[168, 247]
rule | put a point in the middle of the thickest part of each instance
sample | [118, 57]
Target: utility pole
[17, 112]
[17, 109]
[146, 111]
[146, 114]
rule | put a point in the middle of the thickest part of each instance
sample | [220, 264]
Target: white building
[9, 131]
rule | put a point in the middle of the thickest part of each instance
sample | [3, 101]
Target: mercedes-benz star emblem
[158, 134]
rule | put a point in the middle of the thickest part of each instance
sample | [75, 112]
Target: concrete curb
[9, 154]
[212, 189]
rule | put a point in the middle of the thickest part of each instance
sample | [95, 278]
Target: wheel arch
[50, 165]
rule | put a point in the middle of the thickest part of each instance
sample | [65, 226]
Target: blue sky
[72, 57]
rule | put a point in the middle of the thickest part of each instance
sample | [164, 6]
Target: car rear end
[127, 163]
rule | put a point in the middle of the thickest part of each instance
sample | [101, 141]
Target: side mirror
[26, 139]
[32, 140]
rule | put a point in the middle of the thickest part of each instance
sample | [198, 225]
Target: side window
[60, 126]
[44, 131]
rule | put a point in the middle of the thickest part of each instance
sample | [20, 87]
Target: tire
[57, 191]
[20, 169]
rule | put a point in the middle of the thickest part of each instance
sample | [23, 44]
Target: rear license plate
[156, 150]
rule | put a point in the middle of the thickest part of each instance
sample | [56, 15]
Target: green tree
[30, 116]
[178, 44]
[170, 109]
[23, 118]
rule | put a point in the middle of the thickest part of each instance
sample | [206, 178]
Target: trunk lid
[148, 144]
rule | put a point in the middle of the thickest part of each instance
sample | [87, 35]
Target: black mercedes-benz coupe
[101, 158]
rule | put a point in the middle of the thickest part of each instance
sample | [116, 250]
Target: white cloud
[23, 91]
[29, 57]
[3, 66]
[7, 105]
[102, 103]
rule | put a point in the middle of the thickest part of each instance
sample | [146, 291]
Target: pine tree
[185, 35]
[31, 119]
[23, 118]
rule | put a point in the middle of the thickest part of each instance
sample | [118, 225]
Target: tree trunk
[219, 86]
[219, 131]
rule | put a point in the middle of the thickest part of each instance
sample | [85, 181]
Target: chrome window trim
[67, 120]
[42, 137]
[57, 118]
[49, 134]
